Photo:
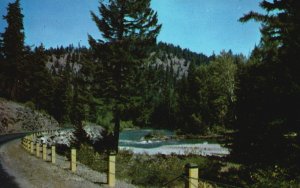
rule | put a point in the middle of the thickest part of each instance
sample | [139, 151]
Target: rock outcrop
[15, 117]
[65, 137]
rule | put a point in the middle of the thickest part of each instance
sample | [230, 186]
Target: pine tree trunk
[13, 90]
[117, 129]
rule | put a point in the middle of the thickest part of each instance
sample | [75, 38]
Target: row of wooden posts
[42, 151]
[36, 149]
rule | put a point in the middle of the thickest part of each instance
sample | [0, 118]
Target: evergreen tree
[62, 99]
[189, 102]
[129, 29]
[12, 49]
[37, 80]
[165, 108]
[1, 52]
[77, 116]
[268, 94]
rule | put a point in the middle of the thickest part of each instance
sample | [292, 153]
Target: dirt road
[6, 179]
[31, 172]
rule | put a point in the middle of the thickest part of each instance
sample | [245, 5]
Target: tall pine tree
[129, 29]
[12, 50]
[269, 90]
[37, 81]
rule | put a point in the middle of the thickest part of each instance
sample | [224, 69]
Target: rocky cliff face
[18, 118]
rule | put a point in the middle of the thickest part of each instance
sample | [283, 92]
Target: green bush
[87, 156]
[30, 104]
[105, 120]
[126, 125]
[273, 177]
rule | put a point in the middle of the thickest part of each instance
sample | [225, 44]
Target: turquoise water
[134, 138]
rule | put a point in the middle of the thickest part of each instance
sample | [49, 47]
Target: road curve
[7, 181]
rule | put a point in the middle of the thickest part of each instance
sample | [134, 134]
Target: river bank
[204, 149]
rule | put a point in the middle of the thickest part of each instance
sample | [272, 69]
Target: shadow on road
[7, 181]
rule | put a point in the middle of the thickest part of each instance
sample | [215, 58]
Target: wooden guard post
[44, 152]
[192, 173]
[53, 154]
[37, 149]
[111, 176]
[32, 147]
[73, 160]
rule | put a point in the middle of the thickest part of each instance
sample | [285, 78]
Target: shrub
[273, 177]
[87, 155]
[30, 104]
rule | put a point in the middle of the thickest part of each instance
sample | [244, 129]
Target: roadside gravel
[32, 172]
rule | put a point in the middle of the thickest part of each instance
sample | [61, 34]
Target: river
[135, 141]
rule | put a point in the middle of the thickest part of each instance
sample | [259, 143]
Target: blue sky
[205, 26]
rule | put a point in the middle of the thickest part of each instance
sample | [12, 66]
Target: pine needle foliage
[129, 29]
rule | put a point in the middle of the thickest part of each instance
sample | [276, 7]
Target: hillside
[15, 117]
[167, 56]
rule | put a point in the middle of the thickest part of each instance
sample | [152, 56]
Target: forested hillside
[67, 80]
